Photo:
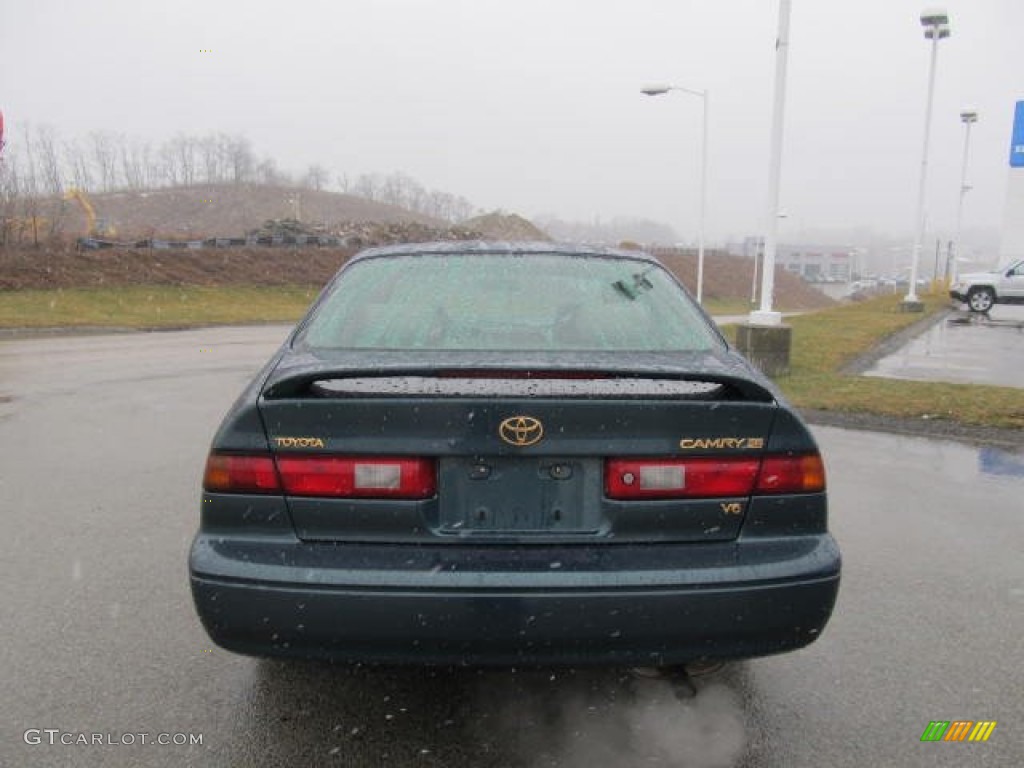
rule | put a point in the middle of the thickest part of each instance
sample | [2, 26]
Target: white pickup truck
[980, 290]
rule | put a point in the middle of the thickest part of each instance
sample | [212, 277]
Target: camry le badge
[521, 431]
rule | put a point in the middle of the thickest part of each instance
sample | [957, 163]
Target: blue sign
[1017, 140]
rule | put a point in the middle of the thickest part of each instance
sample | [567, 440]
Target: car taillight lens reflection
[705, 477]
[791, 474]
[326, 476]
[227, 473]
[679, 478]
[362, 477]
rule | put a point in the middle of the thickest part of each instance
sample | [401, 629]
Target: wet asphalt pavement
[964, 348]
[102, 442]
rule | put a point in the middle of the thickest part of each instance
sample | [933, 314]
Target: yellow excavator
[97, 227]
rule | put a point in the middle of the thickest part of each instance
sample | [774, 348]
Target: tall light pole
[758, 254]
[968, 117]
[763, 339]
[936, 26]
[659, 90]
[765, 315]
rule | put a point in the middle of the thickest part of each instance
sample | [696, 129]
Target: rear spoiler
[293, 380]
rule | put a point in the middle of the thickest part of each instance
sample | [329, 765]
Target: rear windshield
[535, 302]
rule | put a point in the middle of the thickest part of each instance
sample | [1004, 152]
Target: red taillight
[705, 477]
[363, 477]
[791, 474]
[228, 473]
[679, 478]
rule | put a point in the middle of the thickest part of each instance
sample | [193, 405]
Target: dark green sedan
[478, 453]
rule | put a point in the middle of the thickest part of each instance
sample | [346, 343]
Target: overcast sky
[534, 107]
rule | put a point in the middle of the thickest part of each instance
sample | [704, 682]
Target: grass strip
[154, 306]
[161, 306]
[727, 306]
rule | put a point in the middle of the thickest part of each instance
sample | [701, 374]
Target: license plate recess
[519, 495]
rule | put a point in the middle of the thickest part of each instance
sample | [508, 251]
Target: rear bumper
[655, 605]
[958, 296]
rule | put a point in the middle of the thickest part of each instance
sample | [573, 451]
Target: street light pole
[658, 90]
[936, 26]
[703, 198]
[758, 255]
[765, 315]
[968, 117]
[763, 339]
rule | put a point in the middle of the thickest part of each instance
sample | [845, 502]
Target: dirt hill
[505, 226]
[726, 277]
[229, 210]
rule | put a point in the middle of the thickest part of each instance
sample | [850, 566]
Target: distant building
[814, 263]
[818, 264]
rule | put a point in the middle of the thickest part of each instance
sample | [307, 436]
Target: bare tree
[400, 189]
[439, 204]
[168, 165]
[48, 157]
[103, 147]
[267, 172]
[241, 160]
[212, 159]
[461, 209]
[77, 162]
[155, 165]
[136, 165]
[317, 177]
[416, 197]
[182, 153]
[105, 160]
[368, 186]
[10, 196]
[179, 160]
[32, 222]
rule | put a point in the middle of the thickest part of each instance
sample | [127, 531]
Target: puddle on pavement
[964, 348]
[995, 461]
[942, 459]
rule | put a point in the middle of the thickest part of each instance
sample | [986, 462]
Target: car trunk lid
[521, 453]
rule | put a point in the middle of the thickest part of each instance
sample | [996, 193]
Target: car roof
[513, 248]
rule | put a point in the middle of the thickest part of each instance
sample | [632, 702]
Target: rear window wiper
[639, 285]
